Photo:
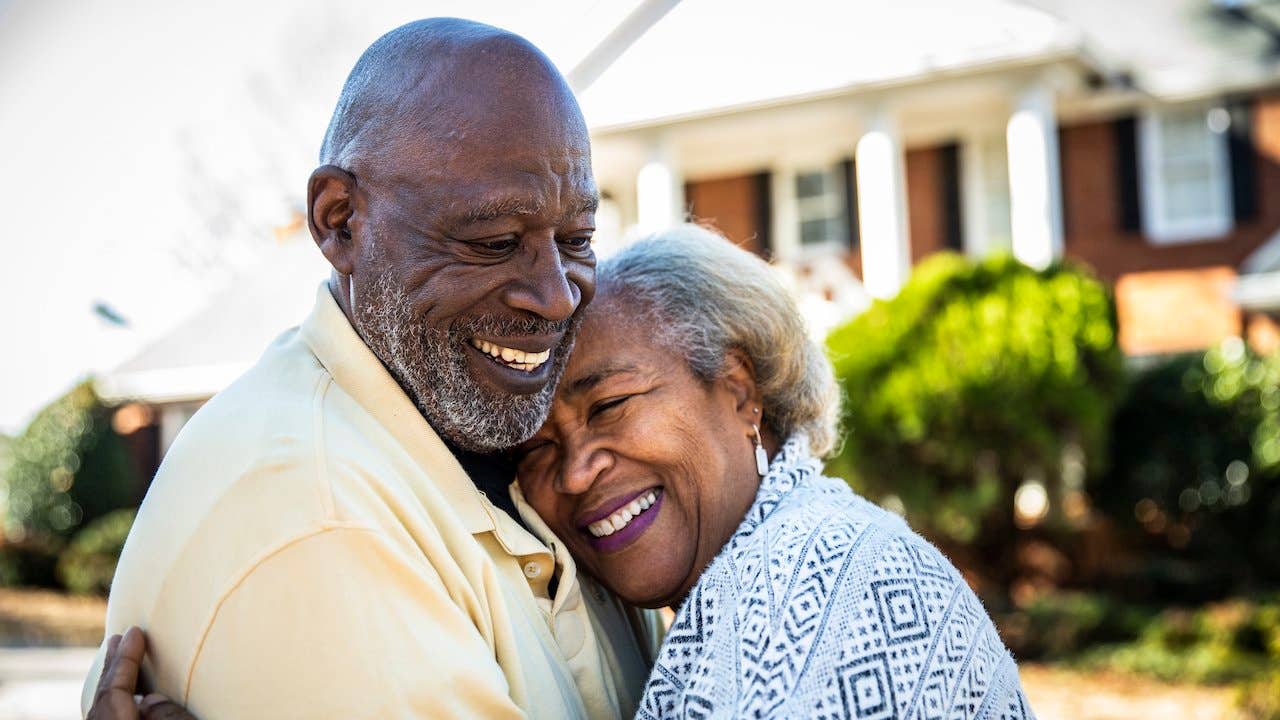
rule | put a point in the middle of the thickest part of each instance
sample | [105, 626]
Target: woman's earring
[762, 458]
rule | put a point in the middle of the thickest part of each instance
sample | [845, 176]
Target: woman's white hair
[706, 296]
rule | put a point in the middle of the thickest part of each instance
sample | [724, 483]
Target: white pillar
[785, 237]
[973, 196]
[882, 208]
[659, 191]
[1035, 189]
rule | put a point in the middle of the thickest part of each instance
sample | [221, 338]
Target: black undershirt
[492, 474]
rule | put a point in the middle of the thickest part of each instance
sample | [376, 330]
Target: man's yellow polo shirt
[310, 548]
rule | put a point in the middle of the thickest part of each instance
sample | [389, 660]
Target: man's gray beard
[432, 367]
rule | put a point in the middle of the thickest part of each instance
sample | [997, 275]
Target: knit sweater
[824, 605]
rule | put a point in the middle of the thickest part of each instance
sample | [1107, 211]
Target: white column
[785, 237]
[659, 191]
[1035, 190]
[882, 207]
[973, 196]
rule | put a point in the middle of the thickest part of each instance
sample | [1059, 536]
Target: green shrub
[1230, 641]
[1195, 475]
[1259, 699]
[67, 468]
[88, 563]
[1064, 625]
[974, 377]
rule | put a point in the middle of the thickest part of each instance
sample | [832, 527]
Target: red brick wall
[1091, 209]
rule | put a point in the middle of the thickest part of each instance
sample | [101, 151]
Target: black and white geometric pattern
[823, 605]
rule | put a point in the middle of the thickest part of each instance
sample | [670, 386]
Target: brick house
[847, 141]
[1141, 139]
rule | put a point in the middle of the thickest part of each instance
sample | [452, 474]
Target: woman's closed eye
[608, 407]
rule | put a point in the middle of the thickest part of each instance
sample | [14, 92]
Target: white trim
[175, 384]
[1259, 292]
[1155, 223]
[1266, 258]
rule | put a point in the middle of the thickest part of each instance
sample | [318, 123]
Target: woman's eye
[605, 406]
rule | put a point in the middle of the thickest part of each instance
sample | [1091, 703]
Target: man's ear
[738, 376]
[330, 194]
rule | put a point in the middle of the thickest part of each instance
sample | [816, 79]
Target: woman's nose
[582, 466]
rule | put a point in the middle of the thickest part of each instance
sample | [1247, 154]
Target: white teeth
[622, 516]
[511, 357]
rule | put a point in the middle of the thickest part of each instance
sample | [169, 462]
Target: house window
[1186, 174]
[820, 208]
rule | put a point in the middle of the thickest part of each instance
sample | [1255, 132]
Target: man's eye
[497, 246]
[577, 242]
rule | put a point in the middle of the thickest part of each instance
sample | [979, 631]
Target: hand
[114, 698]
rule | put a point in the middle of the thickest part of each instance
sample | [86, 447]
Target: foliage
[88, 563]
[1065, 624]
[1196, 474]
[1235, 640]
[67, 467]
[976, 376]
[1260, 699]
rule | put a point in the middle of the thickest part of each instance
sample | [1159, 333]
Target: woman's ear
[330, 193]
[738, 376]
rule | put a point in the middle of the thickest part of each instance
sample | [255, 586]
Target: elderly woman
[681, 466]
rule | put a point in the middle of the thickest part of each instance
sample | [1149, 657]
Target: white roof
[715, 55]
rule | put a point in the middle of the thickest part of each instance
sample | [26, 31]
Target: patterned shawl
[823, 605]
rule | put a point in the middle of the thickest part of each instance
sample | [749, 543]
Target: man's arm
[343, 623]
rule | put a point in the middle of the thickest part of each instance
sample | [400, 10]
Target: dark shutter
[1128, 197]
[949, 192]
[1244, 186]
[764, 212]
[850, 172]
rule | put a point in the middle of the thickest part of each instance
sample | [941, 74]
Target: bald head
[441, 80]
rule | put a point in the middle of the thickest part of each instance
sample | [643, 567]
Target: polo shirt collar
[355, 369]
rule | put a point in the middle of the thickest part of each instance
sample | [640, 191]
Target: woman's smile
[624, 525]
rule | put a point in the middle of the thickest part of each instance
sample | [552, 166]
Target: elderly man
[327, 537]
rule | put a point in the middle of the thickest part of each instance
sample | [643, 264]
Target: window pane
[811, 184]
[1188, 176]
[815, 231]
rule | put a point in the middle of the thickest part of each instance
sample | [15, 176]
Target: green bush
[67, 468]
[1064, 625]
[1229, 641]
[1260, 699]
[976, 376]
[1195, 475]
[88, 563]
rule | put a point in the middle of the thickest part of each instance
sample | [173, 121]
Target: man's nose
[582, 465]
[543, 287]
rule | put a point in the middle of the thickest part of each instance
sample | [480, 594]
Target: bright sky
[151, 146]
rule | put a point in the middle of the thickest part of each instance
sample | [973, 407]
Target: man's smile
[512, 357]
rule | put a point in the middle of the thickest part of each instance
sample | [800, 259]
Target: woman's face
[642, 469]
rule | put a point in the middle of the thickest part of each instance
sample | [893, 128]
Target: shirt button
[532, 570]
